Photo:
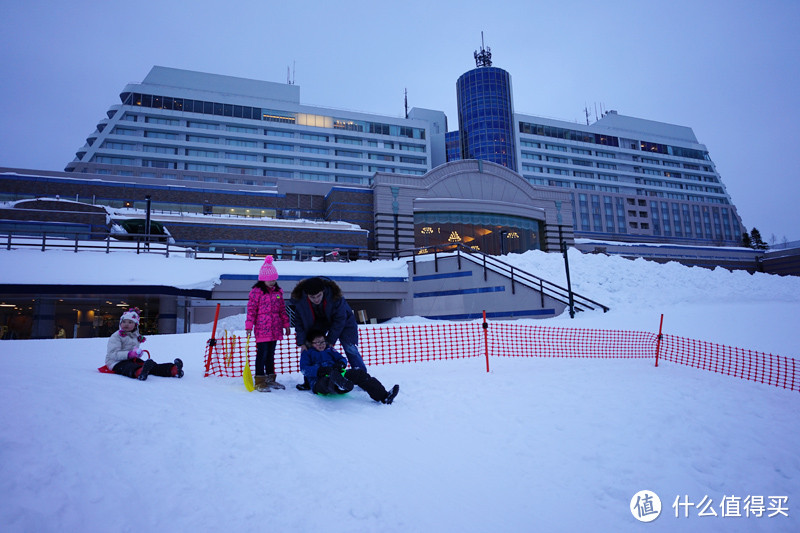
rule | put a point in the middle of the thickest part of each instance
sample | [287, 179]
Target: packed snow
[532, 445]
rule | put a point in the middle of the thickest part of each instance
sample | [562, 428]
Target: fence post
[212, 341]
[658, 339]
[486, 339]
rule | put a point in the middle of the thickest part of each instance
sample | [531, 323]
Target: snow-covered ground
[534, 445]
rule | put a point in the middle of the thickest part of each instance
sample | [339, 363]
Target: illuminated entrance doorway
[489, 233]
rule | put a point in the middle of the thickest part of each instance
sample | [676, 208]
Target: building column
[44, 319]
[167, 315]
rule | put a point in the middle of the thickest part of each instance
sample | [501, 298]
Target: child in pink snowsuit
[266, 314]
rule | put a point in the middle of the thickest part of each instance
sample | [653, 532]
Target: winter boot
[391, 394]
[177, 370]
[147, 367]
[305, 385]
[261, 384]
[272, 384]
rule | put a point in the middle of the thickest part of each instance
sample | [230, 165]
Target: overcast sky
[729, 69]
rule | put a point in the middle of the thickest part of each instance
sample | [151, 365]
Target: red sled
[105, 370]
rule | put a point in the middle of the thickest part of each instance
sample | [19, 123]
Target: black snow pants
[359, 377]
[129, 368]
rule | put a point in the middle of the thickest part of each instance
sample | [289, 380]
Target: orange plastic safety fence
[414, 343]
[378, 345]
[762, 367]
[517, 340]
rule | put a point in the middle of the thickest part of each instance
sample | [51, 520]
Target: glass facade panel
[486, 116]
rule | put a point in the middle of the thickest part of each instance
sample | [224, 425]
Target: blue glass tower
[486, 113]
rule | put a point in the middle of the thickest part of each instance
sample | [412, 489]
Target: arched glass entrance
[491, 233]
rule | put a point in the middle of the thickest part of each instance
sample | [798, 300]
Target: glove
[339, 366]
[133, 354]
[324, 371]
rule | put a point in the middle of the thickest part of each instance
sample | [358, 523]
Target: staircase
[455, 282]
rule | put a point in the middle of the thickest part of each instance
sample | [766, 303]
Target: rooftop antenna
[405, 99]
[586, 112]
[290, 78]
[484, 58]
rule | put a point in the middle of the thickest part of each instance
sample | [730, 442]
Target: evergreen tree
[758, 242]
[747, 242]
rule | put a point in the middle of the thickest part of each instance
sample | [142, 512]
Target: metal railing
[516, 275]
[104, 242]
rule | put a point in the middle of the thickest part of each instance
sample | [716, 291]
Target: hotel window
[284, 147]
[118, 146]
[241, 157]
[310, 149]
[151, 163]
[412, 147]
[278, 133]
[313, 163]
[202, 153]
[312, 137]
[559, 171]
[201, 168]
[348, 140]
[242, 129]
[165, 121]
[279, 160]
[160, 149]
[349, 166]
[199, 139]
[105, 160]
[556, 147]
[348, 153]
[160, 135]
[237, 142]
[203, 125]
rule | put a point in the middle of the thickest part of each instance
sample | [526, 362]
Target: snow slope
[534, 445]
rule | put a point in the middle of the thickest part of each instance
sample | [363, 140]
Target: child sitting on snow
[124, 351]
[323, 367]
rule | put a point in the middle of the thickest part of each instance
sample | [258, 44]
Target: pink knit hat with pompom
[267, 272]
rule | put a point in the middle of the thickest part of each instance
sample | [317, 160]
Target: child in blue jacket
[323, 367]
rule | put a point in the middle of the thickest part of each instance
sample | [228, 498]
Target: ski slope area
[532, 445]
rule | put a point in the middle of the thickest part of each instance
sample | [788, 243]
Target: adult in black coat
[318, 303]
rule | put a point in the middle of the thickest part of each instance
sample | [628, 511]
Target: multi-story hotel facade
[620, 178]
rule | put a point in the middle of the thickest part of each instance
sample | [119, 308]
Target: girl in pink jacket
[266, 314]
